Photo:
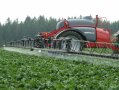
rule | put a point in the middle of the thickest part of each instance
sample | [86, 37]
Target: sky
[58, 9]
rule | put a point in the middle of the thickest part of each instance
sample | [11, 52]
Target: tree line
[16, 30]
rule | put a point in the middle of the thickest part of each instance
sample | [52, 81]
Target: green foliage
[24, 72]
[99, 50]
[30, 27]
[114, 26]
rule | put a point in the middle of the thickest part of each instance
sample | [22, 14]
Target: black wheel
[76, 45]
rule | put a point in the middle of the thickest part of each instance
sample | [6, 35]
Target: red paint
[102, 35]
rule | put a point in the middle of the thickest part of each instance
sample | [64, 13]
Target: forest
[15, 30]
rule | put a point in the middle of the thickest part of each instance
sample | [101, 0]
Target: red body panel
[52, 33]
[102, 35]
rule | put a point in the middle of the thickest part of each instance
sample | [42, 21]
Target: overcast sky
[58, 8]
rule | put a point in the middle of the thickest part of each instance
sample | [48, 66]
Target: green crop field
[29, 72]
